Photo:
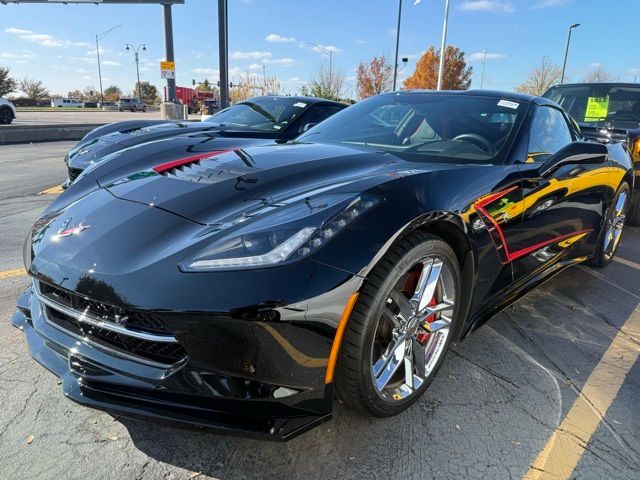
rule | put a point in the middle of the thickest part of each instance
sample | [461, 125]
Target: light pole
[326, 51]
[443, 45]
[100, 36]
[395, 62]
[484, 61]
[135, 53]
[566, 52]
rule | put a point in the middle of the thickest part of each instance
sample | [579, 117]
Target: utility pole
[443, 45]
[566, 52]
[100, 36]
[223, 50]
[484, 61]
[168, 47]
[135, 53]
[395, 63]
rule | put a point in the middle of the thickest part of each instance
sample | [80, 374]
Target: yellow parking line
[16, 272]
[568, 442]
[626, 262]
[297, 356]
[52, 190]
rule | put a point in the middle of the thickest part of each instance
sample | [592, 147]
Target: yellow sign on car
[597, 109]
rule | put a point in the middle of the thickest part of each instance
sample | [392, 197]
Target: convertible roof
[520, 97]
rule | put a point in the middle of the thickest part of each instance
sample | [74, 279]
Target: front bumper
[189, 393]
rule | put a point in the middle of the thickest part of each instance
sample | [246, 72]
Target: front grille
[124, 339]
[131, 319]
[73, 173]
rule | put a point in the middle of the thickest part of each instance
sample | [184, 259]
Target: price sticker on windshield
[597, 109]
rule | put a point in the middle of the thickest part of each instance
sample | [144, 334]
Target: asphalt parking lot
[549, 388]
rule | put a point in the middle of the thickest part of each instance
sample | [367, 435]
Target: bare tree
[33, 89]
[326, 84]
[541, 78]
[270, 85]
[598, 75]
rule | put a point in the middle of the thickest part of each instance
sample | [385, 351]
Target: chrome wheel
[413, 328]
[614, 225]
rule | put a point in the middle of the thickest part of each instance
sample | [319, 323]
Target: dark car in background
[239, 289]
[132, 104]
[606, 112]
[260, 119]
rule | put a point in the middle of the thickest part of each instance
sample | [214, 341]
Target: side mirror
[308, 126]
[576, 153]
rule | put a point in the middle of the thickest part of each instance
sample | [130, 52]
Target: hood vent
[208, 168]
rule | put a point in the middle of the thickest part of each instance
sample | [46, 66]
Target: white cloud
[255, 66]
[110, 63]
[255, 55]
[205, 71]
[321, 48]
[80, 70]
[102, 51]
[500, 6]
[43, 39]
[478, 56]
[18, 56]
[595, 65]
[283, 62]
[550, 3]
[275, 38]
[360, 42]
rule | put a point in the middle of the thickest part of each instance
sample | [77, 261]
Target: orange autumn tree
[374, 77]
[457, 76]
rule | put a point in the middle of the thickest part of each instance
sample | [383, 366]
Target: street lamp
[326, 51]
[395, 63]
[484, 61]
[135, 53]
[443, 45]
[100, 36]
[566, 52]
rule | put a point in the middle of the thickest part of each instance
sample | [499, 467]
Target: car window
[426, 127]
[549, 132]
[318, 113]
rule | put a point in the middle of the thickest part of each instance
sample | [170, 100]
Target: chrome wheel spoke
[392, 317]
[437, 325]
[388, 364]
[427, 284]
[402, 303]
[420, 357]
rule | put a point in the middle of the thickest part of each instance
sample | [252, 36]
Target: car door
[563, 206]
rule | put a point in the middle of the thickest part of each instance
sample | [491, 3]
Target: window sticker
[300, 104]
[508, 104]
[597, 109]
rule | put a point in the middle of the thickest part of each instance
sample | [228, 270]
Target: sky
[55, 43]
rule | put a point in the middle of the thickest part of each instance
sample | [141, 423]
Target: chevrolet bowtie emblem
[66, 231]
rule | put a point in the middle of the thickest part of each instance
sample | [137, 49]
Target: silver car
[133, 104]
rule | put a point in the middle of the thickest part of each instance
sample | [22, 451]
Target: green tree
[148, 93]
[112, 93]
[34, 89]
[7, 84]
[456, 75]
[90, 94]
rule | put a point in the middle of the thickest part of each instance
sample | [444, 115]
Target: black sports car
[606, 112]
[235, 290]
[270, 118]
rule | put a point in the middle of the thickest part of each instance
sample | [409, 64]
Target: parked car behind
[606, 112]
[66, 102]
[90, 104]
[255, 120]
[7, 112]
[133, 104]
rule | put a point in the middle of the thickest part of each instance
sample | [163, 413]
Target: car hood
[93, 150]
[213, 188]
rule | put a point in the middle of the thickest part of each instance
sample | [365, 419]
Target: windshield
[425, 126]
[597, 105]
[268, 114]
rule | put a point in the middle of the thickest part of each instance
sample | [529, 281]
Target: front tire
[6, 116]
[401, 327]
[613, 224]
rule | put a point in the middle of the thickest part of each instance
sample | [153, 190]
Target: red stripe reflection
[184, 161]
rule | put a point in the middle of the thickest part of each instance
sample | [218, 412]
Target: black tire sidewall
[427, 245]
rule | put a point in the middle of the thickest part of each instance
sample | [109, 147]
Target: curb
[44, 133]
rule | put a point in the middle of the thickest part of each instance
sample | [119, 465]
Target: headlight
[288, 234]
